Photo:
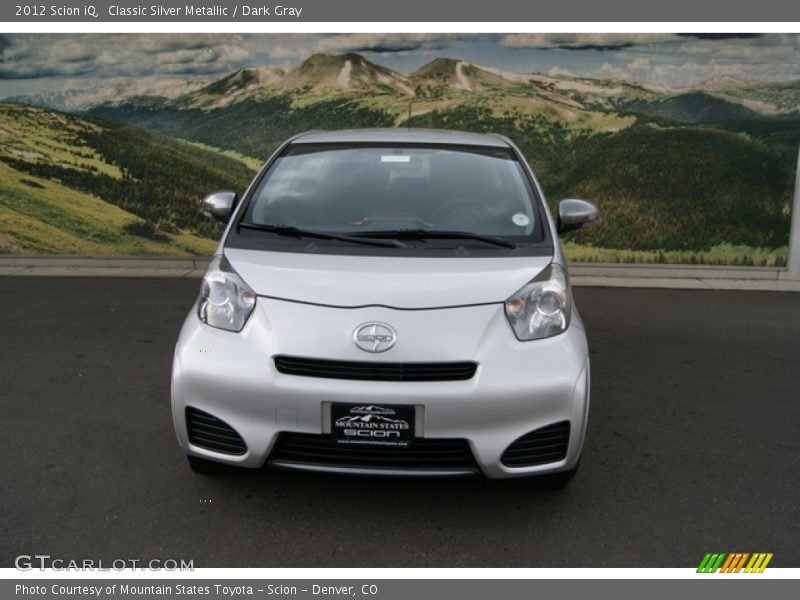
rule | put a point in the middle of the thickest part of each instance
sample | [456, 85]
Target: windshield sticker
[520, 219]
[394, 158]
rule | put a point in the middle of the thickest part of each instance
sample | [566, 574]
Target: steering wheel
[462, 214]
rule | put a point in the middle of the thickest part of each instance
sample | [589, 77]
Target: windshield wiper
[288, 230]
[434, 234]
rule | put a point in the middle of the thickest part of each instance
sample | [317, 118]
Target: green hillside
[694, 107]
[669, 188]
[87, 186]
[680, 188]
[781, 97]
[662, 186]
[42, 216]
[254, 128]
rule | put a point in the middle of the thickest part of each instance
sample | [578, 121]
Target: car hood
[397, 282]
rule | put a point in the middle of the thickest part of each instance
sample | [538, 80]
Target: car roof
[401, 136]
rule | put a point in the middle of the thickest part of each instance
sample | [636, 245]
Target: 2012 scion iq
[387, 302]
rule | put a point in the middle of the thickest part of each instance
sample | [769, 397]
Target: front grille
[545, 445]
[422, 455]
[209, 432]
[375, 371]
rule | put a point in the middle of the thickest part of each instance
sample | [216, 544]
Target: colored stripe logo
[737, 562]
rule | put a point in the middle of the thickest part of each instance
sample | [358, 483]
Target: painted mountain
[372, 410]
[369, 419]
[683, 175]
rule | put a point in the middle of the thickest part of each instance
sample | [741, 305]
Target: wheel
[203, 466]
[556, 481]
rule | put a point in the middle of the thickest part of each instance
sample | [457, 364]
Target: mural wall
[688, 143]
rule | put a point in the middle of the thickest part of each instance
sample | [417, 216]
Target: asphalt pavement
[693, 447]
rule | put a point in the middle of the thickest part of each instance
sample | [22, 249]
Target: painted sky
[40, 63]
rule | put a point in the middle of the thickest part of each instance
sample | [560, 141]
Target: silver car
[390, 302]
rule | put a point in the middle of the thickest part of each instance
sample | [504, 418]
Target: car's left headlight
[543, 307]
[226, 301]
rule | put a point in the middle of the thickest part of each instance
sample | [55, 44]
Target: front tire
[203, 466]
[556, 481]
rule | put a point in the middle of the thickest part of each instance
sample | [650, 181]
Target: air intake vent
[209, 432]
[375, 371]
[422, 455]
[545, 445]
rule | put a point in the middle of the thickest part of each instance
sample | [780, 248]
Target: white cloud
[390, 43]
[682, 61]
[286, 53]
[639, 64]
[560, 72]
[584, 40]
[114, 55]
[609, 71]
[32, 60]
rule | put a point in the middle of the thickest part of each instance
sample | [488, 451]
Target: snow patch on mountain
[343, 79]
[463, 80]
[507, 75]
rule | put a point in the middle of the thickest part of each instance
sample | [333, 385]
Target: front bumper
[518, 386]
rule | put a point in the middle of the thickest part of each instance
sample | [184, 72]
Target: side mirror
[218, 205]
[574, 214]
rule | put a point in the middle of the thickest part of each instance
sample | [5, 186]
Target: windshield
[424, 195]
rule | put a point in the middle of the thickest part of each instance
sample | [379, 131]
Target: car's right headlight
[226, 301]
[543, 307]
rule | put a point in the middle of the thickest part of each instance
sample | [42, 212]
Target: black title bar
[126, 11]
